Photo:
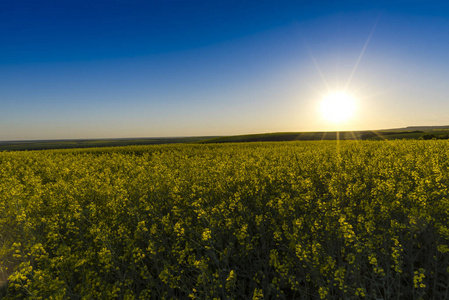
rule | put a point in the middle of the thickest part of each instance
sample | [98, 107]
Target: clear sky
[139, 68]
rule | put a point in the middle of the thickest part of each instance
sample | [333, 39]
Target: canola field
[290, 220]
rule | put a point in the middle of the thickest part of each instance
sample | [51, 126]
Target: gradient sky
[137, 68]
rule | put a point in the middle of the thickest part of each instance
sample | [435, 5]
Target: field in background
[410, 133]
[416, 132]
[289, 220]
[70, 144]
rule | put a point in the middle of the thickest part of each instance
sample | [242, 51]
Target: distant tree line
[432, 136]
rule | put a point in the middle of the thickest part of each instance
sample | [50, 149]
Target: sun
[338, 107]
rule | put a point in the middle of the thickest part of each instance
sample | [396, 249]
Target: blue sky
[135, 68]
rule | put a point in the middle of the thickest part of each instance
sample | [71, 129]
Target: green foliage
[432, 136]
[69, 144]
[293, 220]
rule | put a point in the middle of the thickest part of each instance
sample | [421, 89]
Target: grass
[316, 136]
[410, 133]
[70, 144]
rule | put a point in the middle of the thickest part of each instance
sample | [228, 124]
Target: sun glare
[338, 107]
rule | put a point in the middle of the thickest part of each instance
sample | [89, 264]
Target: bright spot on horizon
[338, 107]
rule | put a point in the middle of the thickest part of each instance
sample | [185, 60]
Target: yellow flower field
[291, 220]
